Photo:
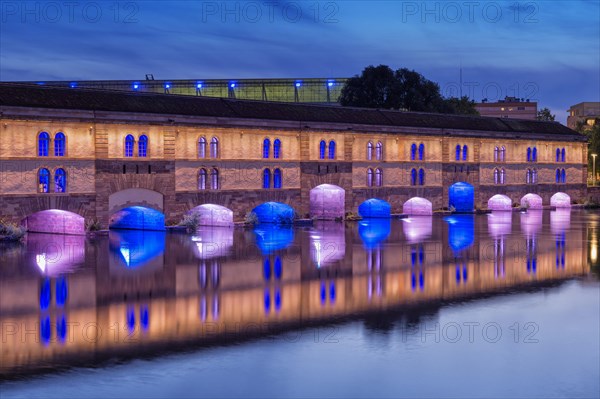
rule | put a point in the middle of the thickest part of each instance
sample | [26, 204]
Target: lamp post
[594, 167]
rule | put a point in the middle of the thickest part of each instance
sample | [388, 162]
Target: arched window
[277, 178]
[563, 155]
[534, 155]
[502, 176]
[528, 154]
[59, 144]
[465, 152]
[143, 146]
[379, 151]
[322, 147]
[43, 181]
[266, 148]
[558, 155]
[413, 177]
[43, 144]
[563, 176]
[214, 179]
[502, 154]
[413, 152]
[528, 176]
[458, 152]
[557, 178]
[378, 177]
[214, 148]
[201, 147]
[369, 151]
[60, 181]
[421, 152]
[534, 176]
[369, 177]
[129, 141]
[496, 154]
[267, 178]
[332, 149]
[277, 149]
[421, 177]
[496, 175]
[202, 178]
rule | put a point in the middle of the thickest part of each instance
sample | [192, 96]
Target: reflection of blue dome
[462, 197]
[373, 231]
[461, 231]
[271, 238]
[375, 208]
[274, 212]
[136, 247]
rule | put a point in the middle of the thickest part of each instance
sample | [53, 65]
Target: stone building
[147, 158]
[587, 113]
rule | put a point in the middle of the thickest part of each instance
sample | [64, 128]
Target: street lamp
[594, 167]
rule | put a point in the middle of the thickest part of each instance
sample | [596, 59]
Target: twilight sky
[547, 51]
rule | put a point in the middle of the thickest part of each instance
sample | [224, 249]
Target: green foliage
[11, 231]
[544, 114]
[251, 218]
[381, 87]
[191, 221]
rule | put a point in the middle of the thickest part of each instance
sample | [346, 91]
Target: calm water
[500, 305]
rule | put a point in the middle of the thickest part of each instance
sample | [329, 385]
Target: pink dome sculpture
[560, 200]
[531, 201]
[417, 206]
[500, 202]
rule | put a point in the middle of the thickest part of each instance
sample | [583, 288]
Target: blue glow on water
[135, 248]
[323, 293]
[277, 299]
[130, 319]
[45, 294]
[374, 231]
[267, 269]
[144, 317]
[462, 197]
[461, 231]
[61, 291]
[61, 328]
[45, 330]
[271, 238]
[278, 268]
[332, 292]
[267, 300]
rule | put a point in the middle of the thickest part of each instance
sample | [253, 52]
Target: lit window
[421, 177]
[496, 176]
[465, 153]
[214, 179]
[496, 154]
[60, 181]
[59, 144]
[502, 154]
[202, 177]
[277, 149]
[43, 144]
[369, 177]
[528, 176]
[413, 152]
[214, 148]
[267, 178]
[143, 146]
[534, 154]
[369, 151]
[563, 176]
[534, 176]
[528, 154]
[563, 155]
[322, 147]
[413, 177]
[421, 152]
[201, 147]
[379, 151]
[277, 178]
[129, 141]
[378, 177]
[266, 148]
[43, 181]
[458, 152]
[332, 149]
[558, 155]
[502, 176]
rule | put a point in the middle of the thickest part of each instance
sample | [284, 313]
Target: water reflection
[166, 289]
[56, 254]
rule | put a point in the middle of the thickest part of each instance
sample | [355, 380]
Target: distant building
[587, 113]
[510, 107]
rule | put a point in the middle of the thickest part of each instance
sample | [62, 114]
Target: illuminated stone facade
[388, 155]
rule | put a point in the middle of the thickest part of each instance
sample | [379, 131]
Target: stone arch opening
[55, 221]
[531, 201]
[461, 197]
[213, 215]
[327, 201]
[500, 202]
[417, 206]
[560, 200]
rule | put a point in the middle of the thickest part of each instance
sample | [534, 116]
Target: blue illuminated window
[201, 147]
[465, 152]
[558, 155]
[214, 179]
[277, 149]
[496, 176]
[322, 147]
[59, 145]
[421, 177]
[267, 178]
[458, 152]
[378, 177]
[278, 268]
[143, 146]
[563, 155]
[534, 154]
[214, 147]
[557, 178]
[60, 181]
[44, 181]
[43, 144]
[528, 154]
[369, 151]
[369, 177]
[496, 154]
[421, 152]
[502, 176]
[413, 152]
[202, 178]
[129, 142]
[379, 151]
[563, 176]
[266, 148]
[332, 149]
[413, 177]
[277, 178]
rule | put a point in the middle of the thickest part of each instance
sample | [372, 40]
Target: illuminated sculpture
[327, 202]
[417, 206]
[375, 208]
[560, 200]
[500, 202]
[213, 215]
[531, 201]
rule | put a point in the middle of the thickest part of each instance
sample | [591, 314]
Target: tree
[544, 114]
[381, 87]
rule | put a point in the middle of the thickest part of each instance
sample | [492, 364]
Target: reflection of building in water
[192, 302]
[559, 223]
[531, 224]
